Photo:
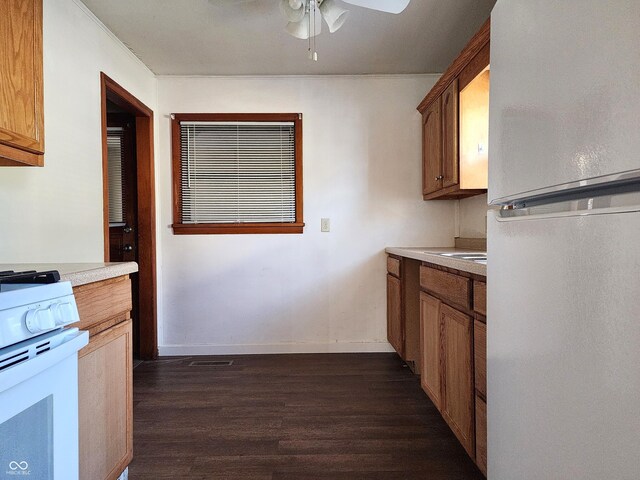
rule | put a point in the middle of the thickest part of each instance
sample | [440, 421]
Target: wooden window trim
[234, 228]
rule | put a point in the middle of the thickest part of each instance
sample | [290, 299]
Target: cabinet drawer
[481, 435]
[393, 266]
[480, 297]
[480, 353]
[101, 301]
[448, 286]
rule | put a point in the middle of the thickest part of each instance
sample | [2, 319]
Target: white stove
[38, 376]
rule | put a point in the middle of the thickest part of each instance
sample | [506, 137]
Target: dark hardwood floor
[290, 417]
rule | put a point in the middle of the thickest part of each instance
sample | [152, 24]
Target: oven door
[39, 414]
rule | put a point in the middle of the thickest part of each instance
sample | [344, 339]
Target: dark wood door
[122, 188]
[123, 201]
[432, 148]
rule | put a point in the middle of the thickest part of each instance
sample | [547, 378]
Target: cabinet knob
[127, 248]
[439, 177]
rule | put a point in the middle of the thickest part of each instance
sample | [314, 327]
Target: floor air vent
[211, 363]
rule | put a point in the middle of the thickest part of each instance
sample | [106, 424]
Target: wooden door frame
[148, 313]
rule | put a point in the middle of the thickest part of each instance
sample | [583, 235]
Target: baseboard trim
[336, 347]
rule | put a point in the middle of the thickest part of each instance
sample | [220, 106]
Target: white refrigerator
[564, 248]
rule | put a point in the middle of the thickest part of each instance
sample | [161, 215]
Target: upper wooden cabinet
[455, 119]
[21, 89]
[432, 148]
[450, 136]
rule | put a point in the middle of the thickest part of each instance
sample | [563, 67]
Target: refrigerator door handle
[606, 204]
[620, 180]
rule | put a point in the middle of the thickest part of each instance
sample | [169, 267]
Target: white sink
[474, 257]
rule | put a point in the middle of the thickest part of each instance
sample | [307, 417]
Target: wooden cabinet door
[450, 135]
[481, 435]
[430, 345]
[21, 90]
[105, 403]
[458, 377]
[395, 330]
[432, 148]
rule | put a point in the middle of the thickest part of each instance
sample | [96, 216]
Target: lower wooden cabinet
[105, 390]
[430, 351]
[458, 376]
[105, 378]
[395, 333]
[447, 374]
[453, 343]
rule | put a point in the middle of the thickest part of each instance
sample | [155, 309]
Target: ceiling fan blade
[388, 6]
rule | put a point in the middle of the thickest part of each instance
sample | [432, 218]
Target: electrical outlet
[325, 225]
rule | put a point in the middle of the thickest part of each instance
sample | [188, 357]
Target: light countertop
[78, 273]
[430, 255]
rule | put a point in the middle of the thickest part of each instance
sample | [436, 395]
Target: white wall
[54, 214]
[473, 217]
[315, 291]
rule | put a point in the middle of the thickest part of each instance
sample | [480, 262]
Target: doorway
[129, 204]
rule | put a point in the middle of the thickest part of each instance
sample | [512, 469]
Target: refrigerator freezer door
[564, 101]
[563, 348]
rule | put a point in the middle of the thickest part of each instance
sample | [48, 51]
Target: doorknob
[127, 248]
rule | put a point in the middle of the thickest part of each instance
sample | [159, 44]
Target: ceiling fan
[305, 16]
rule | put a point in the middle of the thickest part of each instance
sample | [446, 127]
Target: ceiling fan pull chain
[307, 7]
[315, 52]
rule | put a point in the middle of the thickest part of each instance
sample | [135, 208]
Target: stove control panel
[27, 312]
[56, 314]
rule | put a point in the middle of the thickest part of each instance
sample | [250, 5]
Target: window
[237, 173]
[115, 158]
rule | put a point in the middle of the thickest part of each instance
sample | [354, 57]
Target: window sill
[234, 228]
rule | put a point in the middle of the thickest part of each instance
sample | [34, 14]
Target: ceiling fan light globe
[292, 14]
[299, 29]
[296, 4]
[333, 14]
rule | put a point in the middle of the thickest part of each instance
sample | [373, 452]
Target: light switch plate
[325, 225]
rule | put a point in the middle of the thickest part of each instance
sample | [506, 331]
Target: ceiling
[247, 37]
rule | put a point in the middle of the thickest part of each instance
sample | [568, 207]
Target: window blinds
[240, 172]
[116, 175]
